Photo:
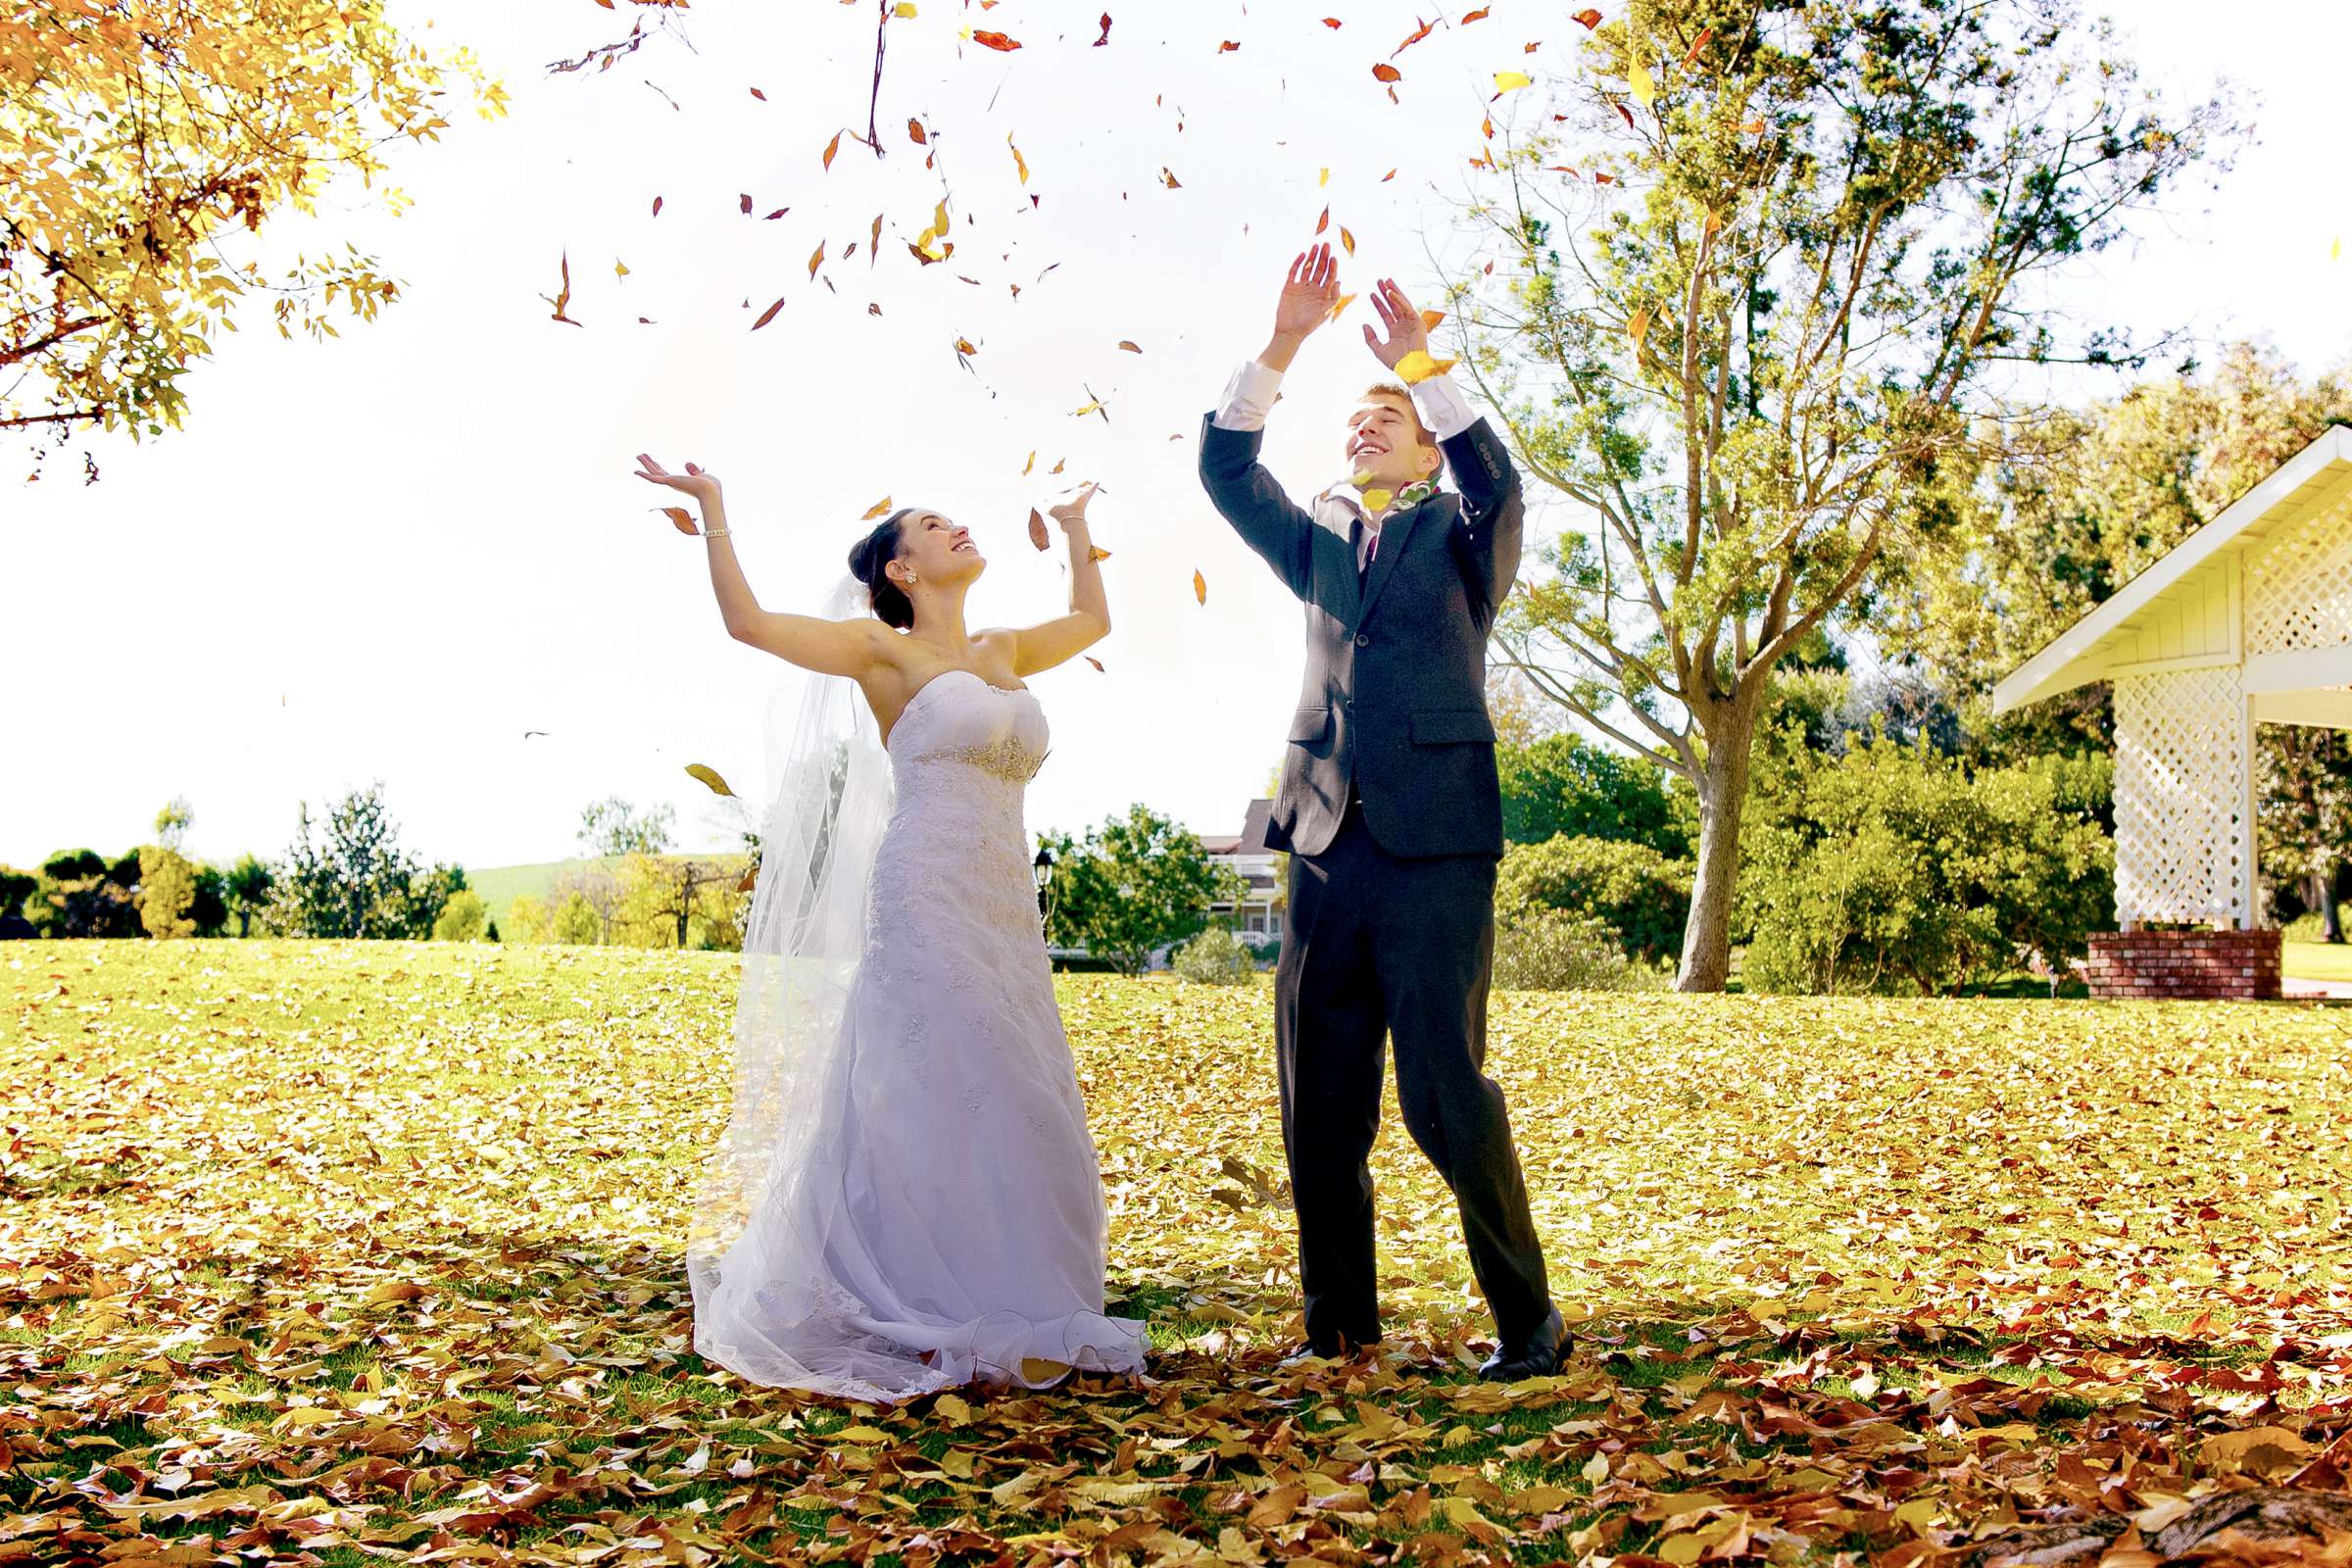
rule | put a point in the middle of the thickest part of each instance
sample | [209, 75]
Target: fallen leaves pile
[323, 1252]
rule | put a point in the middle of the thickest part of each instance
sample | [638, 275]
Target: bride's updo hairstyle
[869, 560]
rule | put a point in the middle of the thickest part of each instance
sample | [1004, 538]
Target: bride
[907, 1197]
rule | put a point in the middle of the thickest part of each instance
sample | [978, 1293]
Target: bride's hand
[695, 482]
[1071, 514]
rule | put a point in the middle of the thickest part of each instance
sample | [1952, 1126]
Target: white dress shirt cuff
[1444, 409]
[1248, 398]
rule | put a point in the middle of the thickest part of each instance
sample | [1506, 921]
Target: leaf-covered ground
[319, 1251]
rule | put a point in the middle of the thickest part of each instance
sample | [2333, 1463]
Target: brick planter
[2182, 965]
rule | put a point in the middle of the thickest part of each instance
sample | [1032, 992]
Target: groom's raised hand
[1406, 330]
[1309, 293]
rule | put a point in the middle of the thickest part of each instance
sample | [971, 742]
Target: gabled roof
[2315, 477]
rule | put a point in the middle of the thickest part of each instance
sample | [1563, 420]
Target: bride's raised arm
[851, 648]
[1053, 642]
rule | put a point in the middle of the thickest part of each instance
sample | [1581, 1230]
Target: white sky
[389, 555]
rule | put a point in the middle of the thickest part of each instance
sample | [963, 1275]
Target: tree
[1749, 354]
[81, 894]
[529, 919]
[576, 921]
[462, 918]
[247, 889]
[167, 891]
[613, 827]
[140, 140]
[1563, 783]
[1133, 886]
[2305, 815]
[360, 882]
[1637, 894]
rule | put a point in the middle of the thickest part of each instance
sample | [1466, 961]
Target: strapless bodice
[960, 720]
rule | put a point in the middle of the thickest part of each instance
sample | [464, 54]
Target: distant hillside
[501, 885]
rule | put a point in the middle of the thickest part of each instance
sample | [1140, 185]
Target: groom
[1390, 809]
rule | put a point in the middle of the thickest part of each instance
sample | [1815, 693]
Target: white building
[1258, 914]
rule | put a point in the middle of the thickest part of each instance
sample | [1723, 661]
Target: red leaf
[756, 93]
[1627, 113]
[1480, 15]
[1333, 22]
[768, 315]
[746, 201]
[778, 212]
[1588, 17]
[1106, 38]
[1386, 73]
[1097, 663]
[657, 207]
[1036, 531]
[1697, 44]
[1227, 47]
[997, 41]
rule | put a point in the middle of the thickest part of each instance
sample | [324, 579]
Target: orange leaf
[997, 41]
[1333, 22]
[1097, 552]
[1128, 347]
[1347, 240]
[1323, 222]
[1431, 319]
[753, 875]
[1697, 44]
[1167, 178]
[1391, 175]
[768, 315]
[876, 510]
[1057, 463]
[914, 130]
[1386, 73]
[680, 517]
[1417, 35]
[1201, 588]
[1588, 17]
[818, 259]
[1097, 663]
[1480, 15]
[873, 246]
[1227, 47]
[831, 148]
[1036, 531]
[1639, 329]
[1754, 127]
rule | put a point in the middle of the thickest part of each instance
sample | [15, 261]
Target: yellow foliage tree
[167, 891]
[137, 136]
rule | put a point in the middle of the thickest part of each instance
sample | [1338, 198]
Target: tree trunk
[2323, 881]
[1722, 799]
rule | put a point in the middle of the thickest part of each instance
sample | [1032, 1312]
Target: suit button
[1362, 640]
[1349, 703]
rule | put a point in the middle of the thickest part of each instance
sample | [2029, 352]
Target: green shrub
[1216, 958]
[577, 921]
[1894, 869]
[1637, 893]
[462, 918]
[1542, 948]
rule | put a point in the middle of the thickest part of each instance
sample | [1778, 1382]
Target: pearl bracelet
[717, 533]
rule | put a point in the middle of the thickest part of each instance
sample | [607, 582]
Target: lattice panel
[2183, 833]
[2299, 585]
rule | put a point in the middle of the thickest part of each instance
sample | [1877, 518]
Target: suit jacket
[1394, 697]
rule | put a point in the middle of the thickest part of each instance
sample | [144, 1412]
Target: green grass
[2316, 960]
[380, 1242]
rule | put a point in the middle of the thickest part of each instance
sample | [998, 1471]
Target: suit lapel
[1394, 536]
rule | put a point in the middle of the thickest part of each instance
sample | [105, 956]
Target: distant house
[1259, 912]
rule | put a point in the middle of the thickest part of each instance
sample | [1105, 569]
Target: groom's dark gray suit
[1390, 809]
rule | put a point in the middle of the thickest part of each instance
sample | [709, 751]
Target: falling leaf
[1754, 127]
[1386, 73]
[657, 207]
[1018, 162]
[1347, 239]
[831, 148]
[749, 877]
[1129, 346]
[1431, 319]
[817, 258]
[768, 315]
[680, 517]
[778, 212]
[1084, 410]
[965, 347]
[1201, 588]
[744, 202]
[1338, 306]
[1333, 22]
[1626, 114]
[1639, 329]
[1106, 38]
[1391, 175]
[1512, 81]
[1227, 47]
[1168, 178]
[1057, 463]
[1638, 79]
[1323, 180]
[876, 510]
[563, 299]
[997, 41]
[915, 132]
[620, 268]
[756, 93]
[1096, 552]
[708, 776]
[1697, 44]
[1031, 463]
[1323, 222]
[1415, 36]
[1480, 15]
[873, 245]
[1038, 535]
[1588, 17]
[1097, 663]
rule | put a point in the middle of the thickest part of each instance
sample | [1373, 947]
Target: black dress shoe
[1538, 1356]
[1334, 1348]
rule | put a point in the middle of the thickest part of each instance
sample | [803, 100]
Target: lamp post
[1041, 871]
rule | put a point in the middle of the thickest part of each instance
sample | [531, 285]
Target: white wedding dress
[946, 1223]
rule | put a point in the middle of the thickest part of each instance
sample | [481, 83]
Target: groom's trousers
[1377, 947]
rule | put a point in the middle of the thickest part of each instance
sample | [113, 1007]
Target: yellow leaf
[2336, 252]
[708, 776]
[1512, 80]
[1018, 162]
[862, 1434]
[1377, 500]
[1639, 329]
[952, 1410]
[904, 9]
[1324, 180]
[620, 268]
[1645, 90]
[1201, 588]
[876, 510]
[1338, 306]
